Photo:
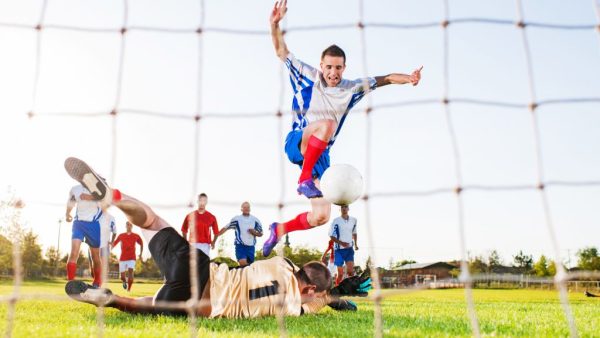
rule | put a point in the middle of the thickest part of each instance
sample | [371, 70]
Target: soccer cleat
[124, 285]
[94, 183]
[87, 293]
[309, 189]
[271, 242]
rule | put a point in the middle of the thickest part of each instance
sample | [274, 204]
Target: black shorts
[171, 252]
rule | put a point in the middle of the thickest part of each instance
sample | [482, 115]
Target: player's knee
[320, 219]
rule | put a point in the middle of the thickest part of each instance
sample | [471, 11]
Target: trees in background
[588, 258]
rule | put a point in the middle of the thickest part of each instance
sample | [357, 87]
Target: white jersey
[314, 101]
[343, 230]
[88, 211]
[107, 228]
[241, 224]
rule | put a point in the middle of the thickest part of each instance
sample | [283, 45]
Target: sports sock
[314, 149]
[338, 279]
[116, 195]
[129, 283]
[71, 269]
[298, 223]
[97, 276]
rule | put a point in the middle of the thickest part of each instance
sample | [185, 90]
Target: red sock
[298, 223]
[338, 279]
[129, 283]
[116, 195]
[314, 149]
[97, 276]
[71, 269]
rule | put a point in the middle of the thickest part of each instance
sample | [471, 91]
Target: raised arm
[396, 78]
[279, 10]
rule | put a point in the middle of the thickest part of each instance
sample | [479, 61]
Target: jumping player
[128, 241]
[260, 289]
[322, 101]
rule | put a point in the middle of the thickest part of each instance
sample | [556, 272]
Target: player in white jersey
[343, 234]
[86, 226]
[108, 233]
[247, 228]
[260, 289]
[321, 103]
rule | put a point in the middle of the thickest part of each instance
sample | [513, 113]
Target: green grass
[432, 313]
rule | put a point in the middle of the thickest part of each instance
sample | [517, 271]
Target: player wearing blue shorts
[321, 103]
[247, 228]
[343, 234]
[86, 226]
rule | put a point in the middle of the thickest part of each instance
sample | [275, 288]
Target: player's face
[246, 209]
[128, 226]
[308, 294]
[344, 210]
[332, 68]
[202, 201]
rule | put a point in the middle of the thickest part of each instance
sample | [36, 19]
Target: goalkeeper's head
[314, 281]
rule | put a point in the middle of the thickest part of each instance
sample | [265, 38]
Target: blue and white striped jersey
[343, 230]
[314, 101]
[241, 224]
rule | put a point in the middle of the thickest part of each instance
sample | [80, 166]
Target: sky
[221, 72]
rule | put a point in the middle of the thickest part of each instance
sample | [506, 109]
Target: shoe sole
[75, 288]
[82, 173]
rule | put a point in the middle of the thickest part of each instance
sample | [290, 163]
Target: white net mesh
[143, 120]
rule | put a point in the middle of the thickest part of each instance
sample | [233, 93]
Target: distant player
[328, 258]
[205, 222]
[247, 228]
[260, 289]
[128, 241]
[108, 233]
[343, 234]
[86, 226]
[322, 101]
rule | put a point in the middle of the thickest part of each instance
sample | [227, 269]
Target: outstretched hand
[415, 76]
[279, 10]
[354, 286]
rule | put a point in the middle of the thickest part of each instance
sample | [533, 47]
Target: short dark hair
[202, 195]
[315, 273]
[334, 50]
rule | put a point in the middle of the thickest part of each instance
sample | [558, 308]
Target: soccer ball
[341, 184]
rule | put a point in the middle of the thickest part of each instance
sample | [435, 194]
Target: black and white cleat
[94, 183]
[87, 293]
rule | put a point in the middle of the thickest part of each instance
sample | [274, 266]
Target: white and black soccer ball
[342, 184]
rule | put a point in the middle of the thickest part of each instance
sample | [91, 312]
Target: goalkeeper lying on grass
[261, 289]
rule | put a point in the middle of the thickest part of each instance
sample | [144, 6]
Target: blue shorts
[244, 252]
[88, 231]
[343, 255]
[292, 150]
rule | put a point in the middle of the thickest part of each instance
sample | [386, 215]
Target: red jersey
[128, 245]
[204, 222]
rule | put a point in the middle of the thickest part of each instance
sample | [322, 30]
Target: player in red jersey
[127, 260]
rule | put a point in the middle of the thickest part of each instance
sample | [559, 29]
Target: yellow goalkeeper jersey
[260, 289]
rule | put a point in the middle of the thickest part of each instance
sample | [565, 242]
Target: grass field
[431, 313]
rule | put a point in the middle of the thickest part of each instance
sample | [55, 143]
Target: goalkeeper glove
[353, 286]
